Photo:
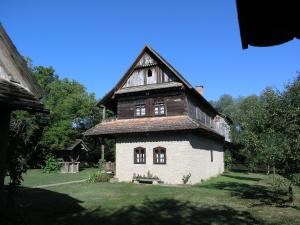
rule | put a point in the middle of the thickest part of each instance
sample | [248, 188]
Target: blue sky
[94, 42]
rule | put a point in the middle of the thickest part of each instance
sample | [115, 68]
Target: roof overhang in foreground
[147, 125]
[15, 97]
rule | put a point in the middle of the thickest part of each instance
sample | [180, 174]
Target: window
[159, 108]
[140, 110]
[211, 155]
[159, 155]
[139, 155]
[149, 73]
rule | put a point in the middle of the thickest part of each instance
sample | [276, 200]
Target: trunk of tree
[268, 169]
[274, 175]
[291, 194]
[102, 152]
[4, 135]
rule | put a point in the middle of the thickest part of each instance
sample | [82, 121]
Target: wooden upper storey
[152, 88]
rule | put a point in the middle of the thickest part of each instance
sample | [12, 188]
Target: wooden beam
[102, 152]
[4, 135]
[103, 113]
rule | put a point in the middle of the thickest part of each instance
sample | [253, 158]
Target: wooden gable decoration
[148, 71]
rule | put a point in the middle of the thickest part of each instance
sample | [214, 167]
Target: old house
[18, 91]
[164, 126]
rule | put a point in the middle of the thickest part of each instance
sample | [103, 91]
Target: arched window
[159, 155]
[139, 155]
[149, 73]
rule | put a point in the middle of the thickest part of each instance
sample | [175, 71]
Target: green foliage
[185, 178]
[266, 128]
[25, 132]
[149, 175]
[51, 164]
[99, 176]
[295, 178]
[101, 163]
[72, 111]
[228, 159]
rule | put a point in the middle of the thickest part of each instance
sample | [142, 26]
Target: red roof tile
[142, 125]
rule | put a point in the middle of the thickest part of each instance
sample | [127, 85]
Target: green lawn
[36, 177]
[233, 198]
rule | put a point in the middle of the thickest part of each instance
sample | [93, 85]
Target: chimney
[200, 89]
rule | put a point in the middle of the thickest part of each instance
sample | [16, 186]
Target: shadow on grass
[262, 194]
[171, 212]
[39, 206]
[242, 177]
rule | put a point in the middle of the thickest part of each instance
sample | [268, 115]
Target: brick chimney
[200, 89]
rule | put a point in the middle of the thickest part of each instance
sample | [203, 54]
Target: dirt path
[57, 184]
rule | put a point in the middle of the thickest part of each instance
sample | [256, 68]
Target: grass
[233, 198]
[36, 177]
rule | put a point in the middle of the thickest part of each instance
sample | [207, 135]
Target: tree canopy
[267, 127]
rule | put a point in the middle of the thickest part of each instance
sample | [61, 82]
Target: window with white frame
[140, 110]
[159, 108]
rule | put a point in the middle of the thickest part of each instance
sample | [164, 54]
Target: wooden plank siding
[174, 105]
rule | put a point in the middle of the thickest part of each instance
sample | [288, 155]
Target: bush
[101, 164]
[185, 178]
[99, 176]
[51, 164]
[295, 178]
[228, 159]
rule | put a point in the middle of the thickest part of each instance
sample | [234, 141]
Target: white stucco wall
[186, 153]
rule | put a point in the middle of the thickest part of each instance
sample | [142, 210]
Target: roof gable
[149, 57]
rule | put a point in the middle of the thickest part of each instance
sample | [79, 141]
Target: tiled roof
[14, 96]
[142, 125]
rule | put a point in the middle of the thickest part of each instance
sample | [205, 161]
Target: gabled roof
[147, 49]
[75, 143]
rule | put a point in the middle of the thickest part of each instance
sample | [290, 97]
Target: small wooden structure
[71, 156]
[69, 167]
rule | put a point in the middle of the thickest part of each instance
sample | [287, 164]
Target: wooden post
[4, 134]
[102, 151]
[101, 140]
[103, 113]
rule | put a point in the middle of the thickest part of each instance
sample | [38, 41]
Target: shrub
[99, 176]
[149, 175]
[228, 159]
[101, 164]
[295, 178]
[185, 178]
[51, 164]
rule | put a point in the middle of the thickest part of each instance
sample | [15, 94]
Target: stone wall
[185, 153]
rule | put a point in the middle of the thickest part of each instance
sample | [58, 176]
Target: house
[18, 91]
[164, 126]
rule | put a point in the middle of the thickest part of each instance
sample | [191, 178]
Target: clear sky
[94, 42]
